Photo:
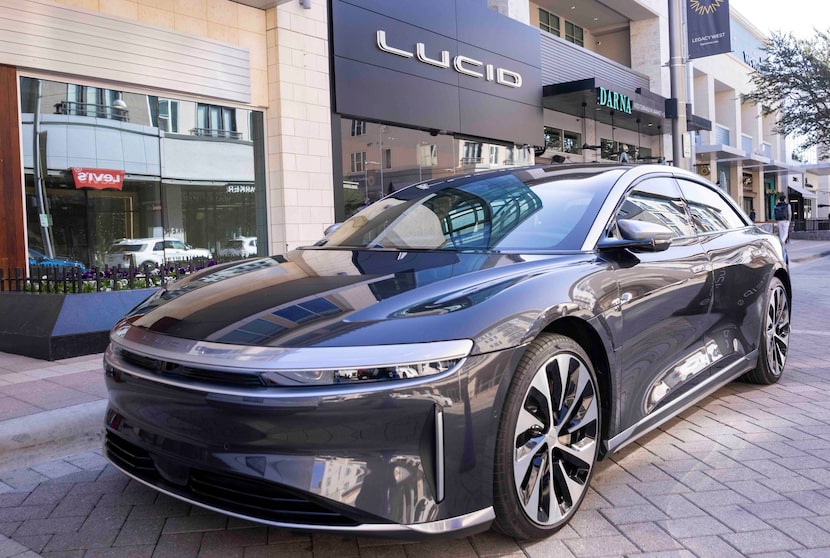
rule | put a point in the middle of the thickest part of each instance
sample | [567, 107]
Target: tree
[794, 81]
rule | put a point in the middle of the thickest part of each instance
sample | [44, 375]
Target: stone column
[299, 157]
[516, 9]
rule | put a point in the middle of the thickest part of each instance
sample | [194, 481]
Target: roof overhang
[818, 169]
[749, 161]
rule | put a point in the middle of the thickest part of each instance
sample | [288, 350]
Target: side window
[709, 211]
[657, 200]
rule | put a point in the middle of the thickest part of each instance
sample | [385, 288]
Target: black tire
[148, 266]
[775, 336]
[548, 439]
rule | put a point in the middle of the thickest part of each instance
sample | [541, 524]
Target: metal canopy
[579, 98]
[648, 114]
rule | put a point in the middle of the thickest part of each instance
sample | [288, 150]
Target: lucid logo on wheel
[460, 63]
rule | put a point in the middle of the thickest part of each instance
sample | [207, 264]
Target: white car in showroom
[151, 252]
[239, 247]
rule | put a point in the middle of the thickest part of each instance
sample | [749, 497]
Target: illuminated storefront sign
[613, 100]
[98, 179]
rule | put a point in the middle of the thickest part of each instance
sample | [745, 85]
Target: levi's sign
[460, 63]
[98, 179]
[613, 100]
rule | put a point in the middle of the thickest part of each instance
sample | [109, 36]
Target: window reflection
[154, 167]
[378, 159]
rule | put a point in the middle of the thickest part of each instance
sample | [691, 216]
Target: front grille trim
[206, 489]
[177, 371]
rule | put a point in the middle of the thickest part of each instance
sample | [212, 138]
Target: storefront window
[562, 140]
[181, 170]
[613, 151]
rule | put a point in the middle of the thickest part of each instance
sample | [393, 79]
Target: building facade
[206, 120]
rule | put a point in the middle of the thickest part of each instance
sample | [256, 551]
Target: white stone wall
[301, 199]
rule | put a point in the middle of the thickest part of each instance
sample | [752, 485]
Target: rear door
[741, 268]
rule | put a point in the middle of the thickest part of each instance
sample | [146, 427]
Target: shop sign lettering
[98, 179]
[461, 64]
[613, 100]
[241, 189]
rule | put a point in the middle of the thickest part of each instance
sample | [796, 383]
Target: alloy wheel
[555, 439]
[777, 330]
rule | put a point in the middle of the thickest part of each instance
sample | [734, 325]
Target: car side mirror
[642, 236]
[331, 228]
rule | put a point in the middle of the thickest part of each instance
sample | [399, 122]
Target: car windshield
[533, 209]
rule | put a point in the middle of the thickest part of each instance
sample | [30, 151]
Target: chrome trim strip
[439, 454]
[222, 356]
[650, 422]
[466, 521]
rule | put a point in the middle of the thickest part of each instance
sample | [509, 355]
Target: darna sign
[613, 100]
[461, 64]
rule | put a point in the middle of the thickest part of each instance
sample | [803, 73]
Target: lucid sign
[460, 63]
[613, 100]
[437, 65]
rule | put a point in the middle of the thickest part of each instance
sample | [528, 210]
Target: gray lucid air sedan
[459, 354]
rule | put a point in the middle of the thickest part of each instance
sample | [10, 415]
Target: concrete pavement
[746, 472]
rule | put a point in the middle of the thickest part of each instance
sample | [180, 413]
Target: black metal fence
[811, 225]
[56, 279]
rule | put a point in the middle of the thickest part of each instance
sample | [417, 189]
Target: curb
[40, 437]
[810, 257]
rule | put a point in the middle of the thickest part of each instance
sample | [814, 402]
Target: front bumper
[403, 458]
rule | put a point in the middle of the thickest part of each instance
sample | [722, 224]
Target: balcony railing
[73, 108]
[216, 133]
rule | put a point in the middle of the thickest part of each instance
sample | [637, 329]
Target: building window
[494, 155]
[387, 158]
[553, 138]
[358, 161]
[215, 196]
[472, 153]
[427, 155]
[572, 142]
[358, 127]
[168, 117]
[509, 156]
[215, 121]
[83, 100]
[562, 140]
[574, 34]
[548, 22]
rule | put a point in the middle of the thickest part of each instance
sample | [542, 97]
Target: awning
[807, 194]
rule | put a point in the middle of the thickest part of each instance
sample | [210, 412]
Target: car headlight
[357, 375]
[188, 362]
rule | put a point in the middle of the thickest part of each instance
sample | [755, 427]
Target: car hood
[324, 297]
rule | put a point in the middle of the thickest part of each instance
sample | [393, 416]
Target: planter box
[58, 326]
